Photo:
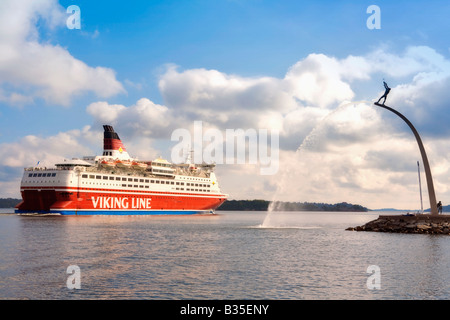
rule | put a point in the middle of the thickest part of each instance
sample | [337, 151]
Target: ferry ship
[116, 184]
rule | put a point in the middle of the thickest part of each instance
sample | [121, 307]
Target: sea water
[300, 255]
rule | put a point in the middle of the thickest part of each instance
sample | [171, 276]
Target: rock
[423, 224]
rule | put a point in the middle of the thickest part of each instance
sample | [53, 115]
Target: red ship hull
[83, 201]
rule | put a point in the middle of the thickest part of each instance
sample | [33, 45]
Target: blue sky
[249, 38]
[54, 87]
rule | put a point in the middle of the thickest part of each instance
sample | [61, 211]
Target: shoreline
[416, 224]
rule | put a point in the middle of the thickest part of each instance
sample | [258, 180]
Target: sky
[308, 70]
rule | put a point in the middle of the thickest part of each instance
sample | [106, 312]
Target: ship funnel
[112, 145]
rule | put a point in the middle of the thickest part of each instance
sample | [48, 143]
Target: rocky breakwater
[420, 223]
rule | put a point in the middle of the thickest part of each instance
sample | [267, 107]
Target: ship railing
[40, 169]
[61, 168]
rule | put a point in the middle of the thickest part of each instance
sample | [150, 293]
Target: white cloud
[104, 112]
[355, 152]
[145, 118]
[317, 80]
[223, 99]
[30, 149]
[351, 151]
[41, 70]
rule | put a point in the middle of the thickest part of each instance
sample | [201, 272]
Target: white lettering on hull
[121, 203]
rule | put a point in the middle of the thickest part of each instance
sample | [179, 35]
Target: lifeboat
[123, 163]
[108, 163]
[139, 165]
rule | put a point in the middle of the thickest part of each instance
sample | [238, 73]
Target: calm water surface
[296, 255]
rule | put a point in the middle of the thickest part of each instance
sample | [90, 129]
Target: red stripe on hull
[71, 199]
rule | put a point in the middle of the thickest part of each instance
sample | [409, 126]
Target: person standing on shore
[439, 207]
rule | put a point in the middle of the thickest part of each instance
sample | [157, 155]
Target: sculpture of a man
[385, 93]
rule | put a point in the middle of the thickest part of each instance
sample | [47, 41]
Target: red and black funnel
[111, 140]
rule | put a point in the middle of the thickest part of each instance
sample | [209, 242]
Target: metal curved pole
[426, 165]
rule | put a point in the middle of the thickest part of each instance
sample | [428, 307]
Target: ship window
[182, 188]
[117, 178]
[105, 178]
[39, 174]
[124, 185]
[129, 179]
[146, 180]
[84, 176]
[152, 181]
[91, 176]
[141, 180]
[30, 175]
[98, 177]
[182, 183]
[124, 179]
[136, 180]
[178, 184]
[135, 186]
[171, 182]
[111, 178]
[157, 181]
[146, 187]
[130, 185]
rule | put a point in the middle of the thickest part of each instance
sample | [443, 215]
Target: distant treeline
[255, 205]
[9, 202]
[263, 205]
